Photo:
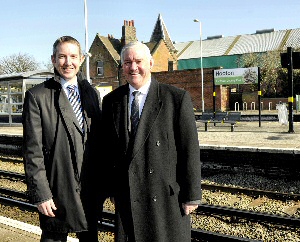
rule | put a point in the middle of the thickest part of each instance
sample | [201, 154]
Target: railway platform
[9, 233]
[16, 231]
[267, 134]
[270, 135]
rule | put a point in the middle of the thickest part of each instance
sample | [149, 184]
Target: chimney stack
[128, 32]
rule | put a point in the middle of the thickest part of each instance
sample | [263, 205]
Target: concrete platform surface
[269, 135]
[16, 231]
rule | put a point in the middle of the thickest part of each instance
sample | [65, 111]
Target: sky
[31, 27]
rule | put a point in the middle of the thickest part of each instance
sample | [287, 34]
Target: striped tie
[74, 98]
[135, 114]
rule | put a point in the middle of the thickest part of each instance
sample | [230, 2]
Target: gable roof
[112, 45]
[26, 74]
[160, 32]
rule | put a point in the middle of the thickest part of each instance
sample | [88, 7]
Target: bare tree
[269, 63]
[48, 65]
[18, 63]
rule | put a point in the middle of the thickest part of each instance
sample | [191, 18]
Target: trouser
[124, 225]
[86, 236]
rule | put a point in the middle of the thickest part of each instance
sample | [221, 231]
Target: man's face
[67, 60]
[137, 67]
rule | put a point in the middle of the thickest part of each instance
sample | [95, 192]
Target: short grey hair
[136, 44]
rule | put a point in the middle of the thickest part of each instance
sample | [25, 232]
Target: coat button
[157, 143]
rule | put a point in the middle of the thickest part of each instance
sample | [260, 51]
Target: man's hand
[189, 208]
[47, 208]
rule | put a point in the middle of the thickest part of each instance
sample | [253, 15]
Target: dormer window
[100, 69]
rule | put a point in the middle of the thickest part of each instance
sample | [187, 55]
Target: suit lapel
[66, 110]
[150, 113]
[67, 114]
[120, 116]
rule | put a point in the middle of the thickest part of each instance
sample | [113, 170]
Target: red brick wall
[190, 80]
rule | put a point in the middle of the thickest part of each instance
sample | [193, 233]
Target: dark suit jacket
[60, 160]
[161, 169]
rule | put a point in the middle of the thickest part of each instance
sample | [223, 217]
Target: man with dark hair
[61, 123]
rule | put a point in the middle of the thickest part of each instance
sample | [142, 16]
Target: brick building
[178, 63]
[106, 74]
[104, 62]
[190, 80]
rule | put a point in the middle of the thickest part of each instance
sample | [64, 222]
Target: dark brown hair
[63, 39]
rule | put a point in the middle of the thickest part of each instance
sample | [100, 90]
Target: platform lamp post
[201, 64]
[87, 54]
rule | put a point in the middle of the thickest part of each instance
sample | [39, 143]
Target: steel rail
[108, 221]
[248, 215]
[207, 236]
[108, 224]
[13, 202]
[13, 193]
[11, 145]
[10, 174]
[205, 186]
[251, 192]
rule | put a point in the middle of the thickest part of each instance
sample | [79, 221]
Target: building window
[170, 66]
[100, 71]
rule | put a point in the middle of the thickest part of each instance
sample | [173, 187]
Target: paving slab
[269, 135]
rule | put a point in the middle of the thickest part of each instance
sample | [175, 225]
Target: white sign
[236, 76]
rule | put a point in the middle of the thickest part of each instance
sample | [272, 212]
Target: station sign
[236, 76]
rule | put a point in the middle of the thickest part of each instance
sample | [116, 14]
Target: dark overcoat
[60, 160]
[161, 169]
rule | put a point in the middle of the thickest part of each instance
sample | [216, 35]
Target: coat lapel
[120, 116]
[150, 113]
[73, 127]
[66, 109]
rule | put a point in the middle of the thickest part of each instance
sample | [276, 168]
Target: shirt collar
[64, 83]
[144, 89]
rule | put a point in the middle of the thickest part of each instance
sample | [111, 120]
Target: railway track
[252, 192]
[15, 198]
[202, 209]
[107, 223]
[214, 161]
[11, 145]
[11, 197]
[12, 175]
[212, 187]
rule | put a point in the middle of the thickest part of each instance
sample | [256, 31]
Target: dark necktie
[74, 98]
[135, 114]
